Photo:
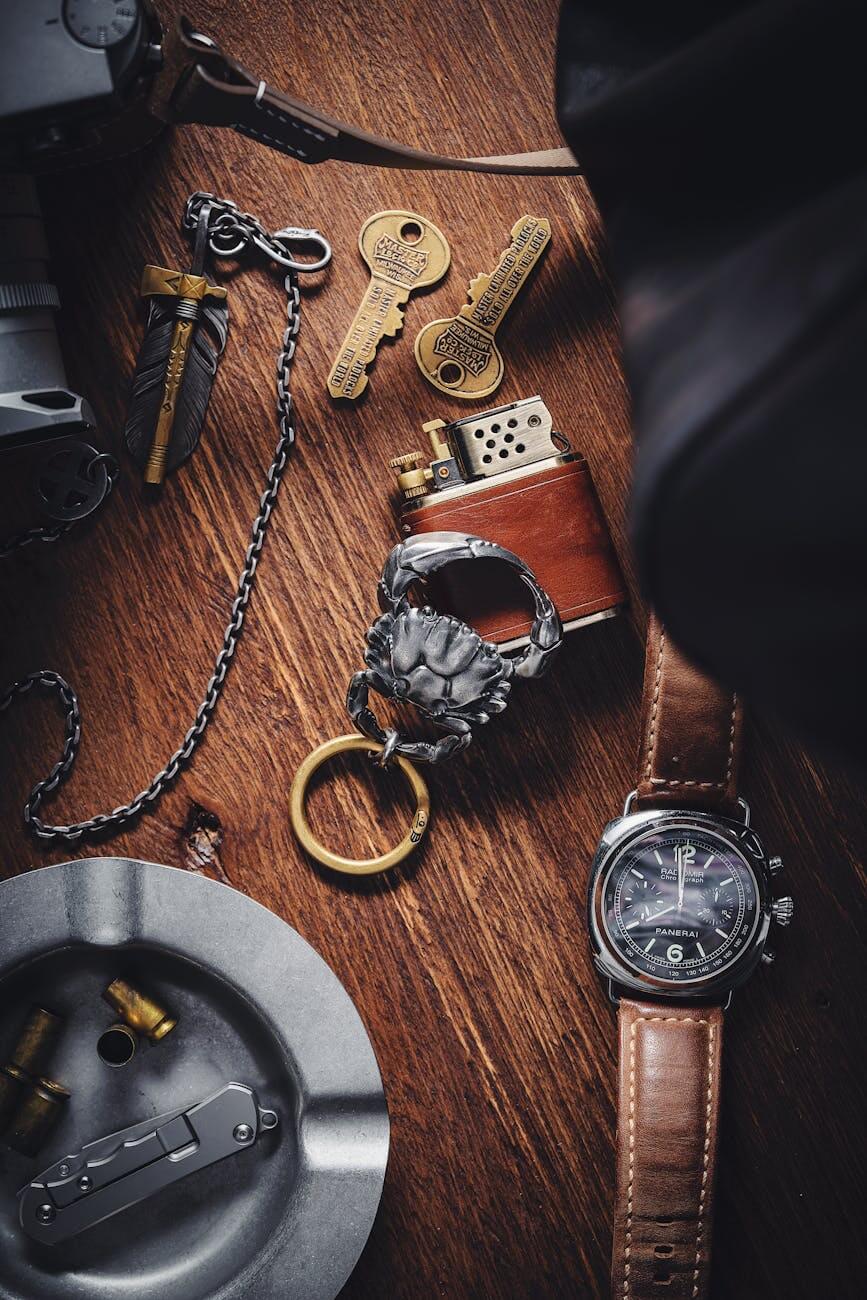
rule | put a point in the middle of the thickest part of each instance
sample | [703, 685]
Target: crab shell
[437, 663]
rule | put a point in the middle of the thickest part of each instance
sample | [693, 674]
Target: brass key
[404, 252]
[459, 355]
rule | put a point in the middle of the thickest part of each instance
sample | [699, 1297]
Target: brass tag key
[459, 355]
[405, 252]
[189, 290]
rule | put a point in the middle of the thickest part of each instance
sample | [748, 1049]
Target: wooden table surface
[470, 965]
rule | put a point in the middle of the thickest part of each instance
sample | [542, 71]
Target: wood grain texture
[470, 966]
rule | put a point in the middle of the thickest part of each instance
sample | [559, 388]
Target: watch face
[680, 903]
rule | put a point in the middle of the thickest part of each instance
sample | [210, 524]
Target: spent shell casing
[13, 1085]
[117, 1045]
[37, 1040]
[37, 1115]
[139, 1011]
[28, 1059]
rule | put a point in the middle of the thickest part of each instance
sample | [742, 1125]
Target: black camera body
[74, 80]
[74, 83]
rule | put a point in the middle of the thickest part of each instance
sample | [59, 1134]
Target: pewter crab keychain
[435, 662]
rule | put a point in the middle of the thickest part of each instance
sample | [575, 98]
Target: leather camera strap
[668, 1112]
[198, 83]
[690, 733]
[669, 1073]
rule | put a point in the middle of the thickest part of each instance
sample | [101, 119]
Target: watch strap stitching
[628, 1235]
[689, 722]
[673, 783]
[710, 1100]
[282, 145]
[705, 1159]
[651, 739]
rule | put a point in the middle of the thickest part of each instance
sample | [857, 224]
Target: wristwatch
[680, 906]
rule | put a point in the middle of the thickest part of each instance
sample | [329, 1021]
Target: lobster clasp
[290, 235]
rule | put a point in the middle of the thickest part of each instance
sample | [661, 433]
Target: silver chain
[232, 232]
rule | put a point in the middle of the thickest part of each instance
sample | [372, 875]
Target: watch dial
[680, 904]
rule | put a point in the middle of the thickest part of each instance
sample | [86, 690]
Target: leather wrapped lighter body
[545, 510]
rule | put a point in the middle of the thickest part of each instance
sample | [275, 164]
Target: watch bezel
[612, 966]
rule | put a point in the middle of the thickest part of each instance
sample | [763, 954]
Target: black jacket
[726, 147]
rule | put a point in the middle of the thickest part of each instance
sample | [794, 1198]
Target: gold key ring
[301, 826]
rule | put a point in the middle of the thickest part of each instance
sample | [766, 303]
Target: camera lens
[35, 402]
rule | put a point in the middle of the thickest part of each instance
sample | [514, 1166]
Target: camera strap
[198, 83]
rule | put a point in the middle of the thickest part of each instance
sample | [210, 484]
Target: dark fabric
[726, 147]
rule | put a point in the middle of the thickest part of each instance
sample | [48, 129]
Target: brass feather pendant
[185, 336]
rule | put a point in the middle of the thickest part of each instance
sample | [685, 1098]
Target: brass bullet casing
[37, 1040]
[139, 1011]
[117, 1045]
[36, 1117]
[29, 1058]
[13, 1086]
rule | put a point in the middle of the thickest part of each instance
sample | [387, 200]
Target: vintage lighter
[507, 476]
[186, 334]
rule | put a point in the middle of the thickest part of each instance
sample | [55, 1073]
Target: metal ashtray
[254, 1003]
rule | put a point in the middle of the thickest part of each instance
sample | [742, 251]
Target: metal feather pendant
[186, 333]
[154, 371]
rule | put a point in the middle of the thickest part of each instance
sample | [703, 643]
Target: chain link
[54, 532]
[231, 232]
[239, 230]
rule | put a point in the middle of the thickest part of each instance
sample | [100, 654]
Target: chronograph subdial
[642, 898]
[717, 904]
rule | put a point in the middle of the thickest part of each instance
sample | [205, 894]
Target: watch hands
[681, 874]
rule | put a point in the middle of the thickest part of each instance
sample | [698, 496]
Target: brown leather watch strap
[668, 1112]
[690, 733]
[198, 83]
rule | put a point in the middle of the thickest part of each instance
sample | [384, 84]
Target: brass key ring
[301, 826]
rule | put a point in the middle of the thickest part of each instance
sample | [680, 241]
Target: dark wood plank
[470, 966]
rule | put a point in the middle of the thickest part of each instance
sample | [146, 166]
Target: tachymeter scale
[680, 904]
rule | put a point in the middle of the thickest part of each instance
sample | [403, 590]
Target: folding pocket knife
[127, 1167]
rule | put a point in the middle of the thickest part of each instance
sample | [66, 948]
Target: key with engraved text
[404, 252]
[459, 355]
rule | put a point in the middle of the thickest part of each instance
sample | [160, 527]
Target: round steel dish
[285, 1220]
